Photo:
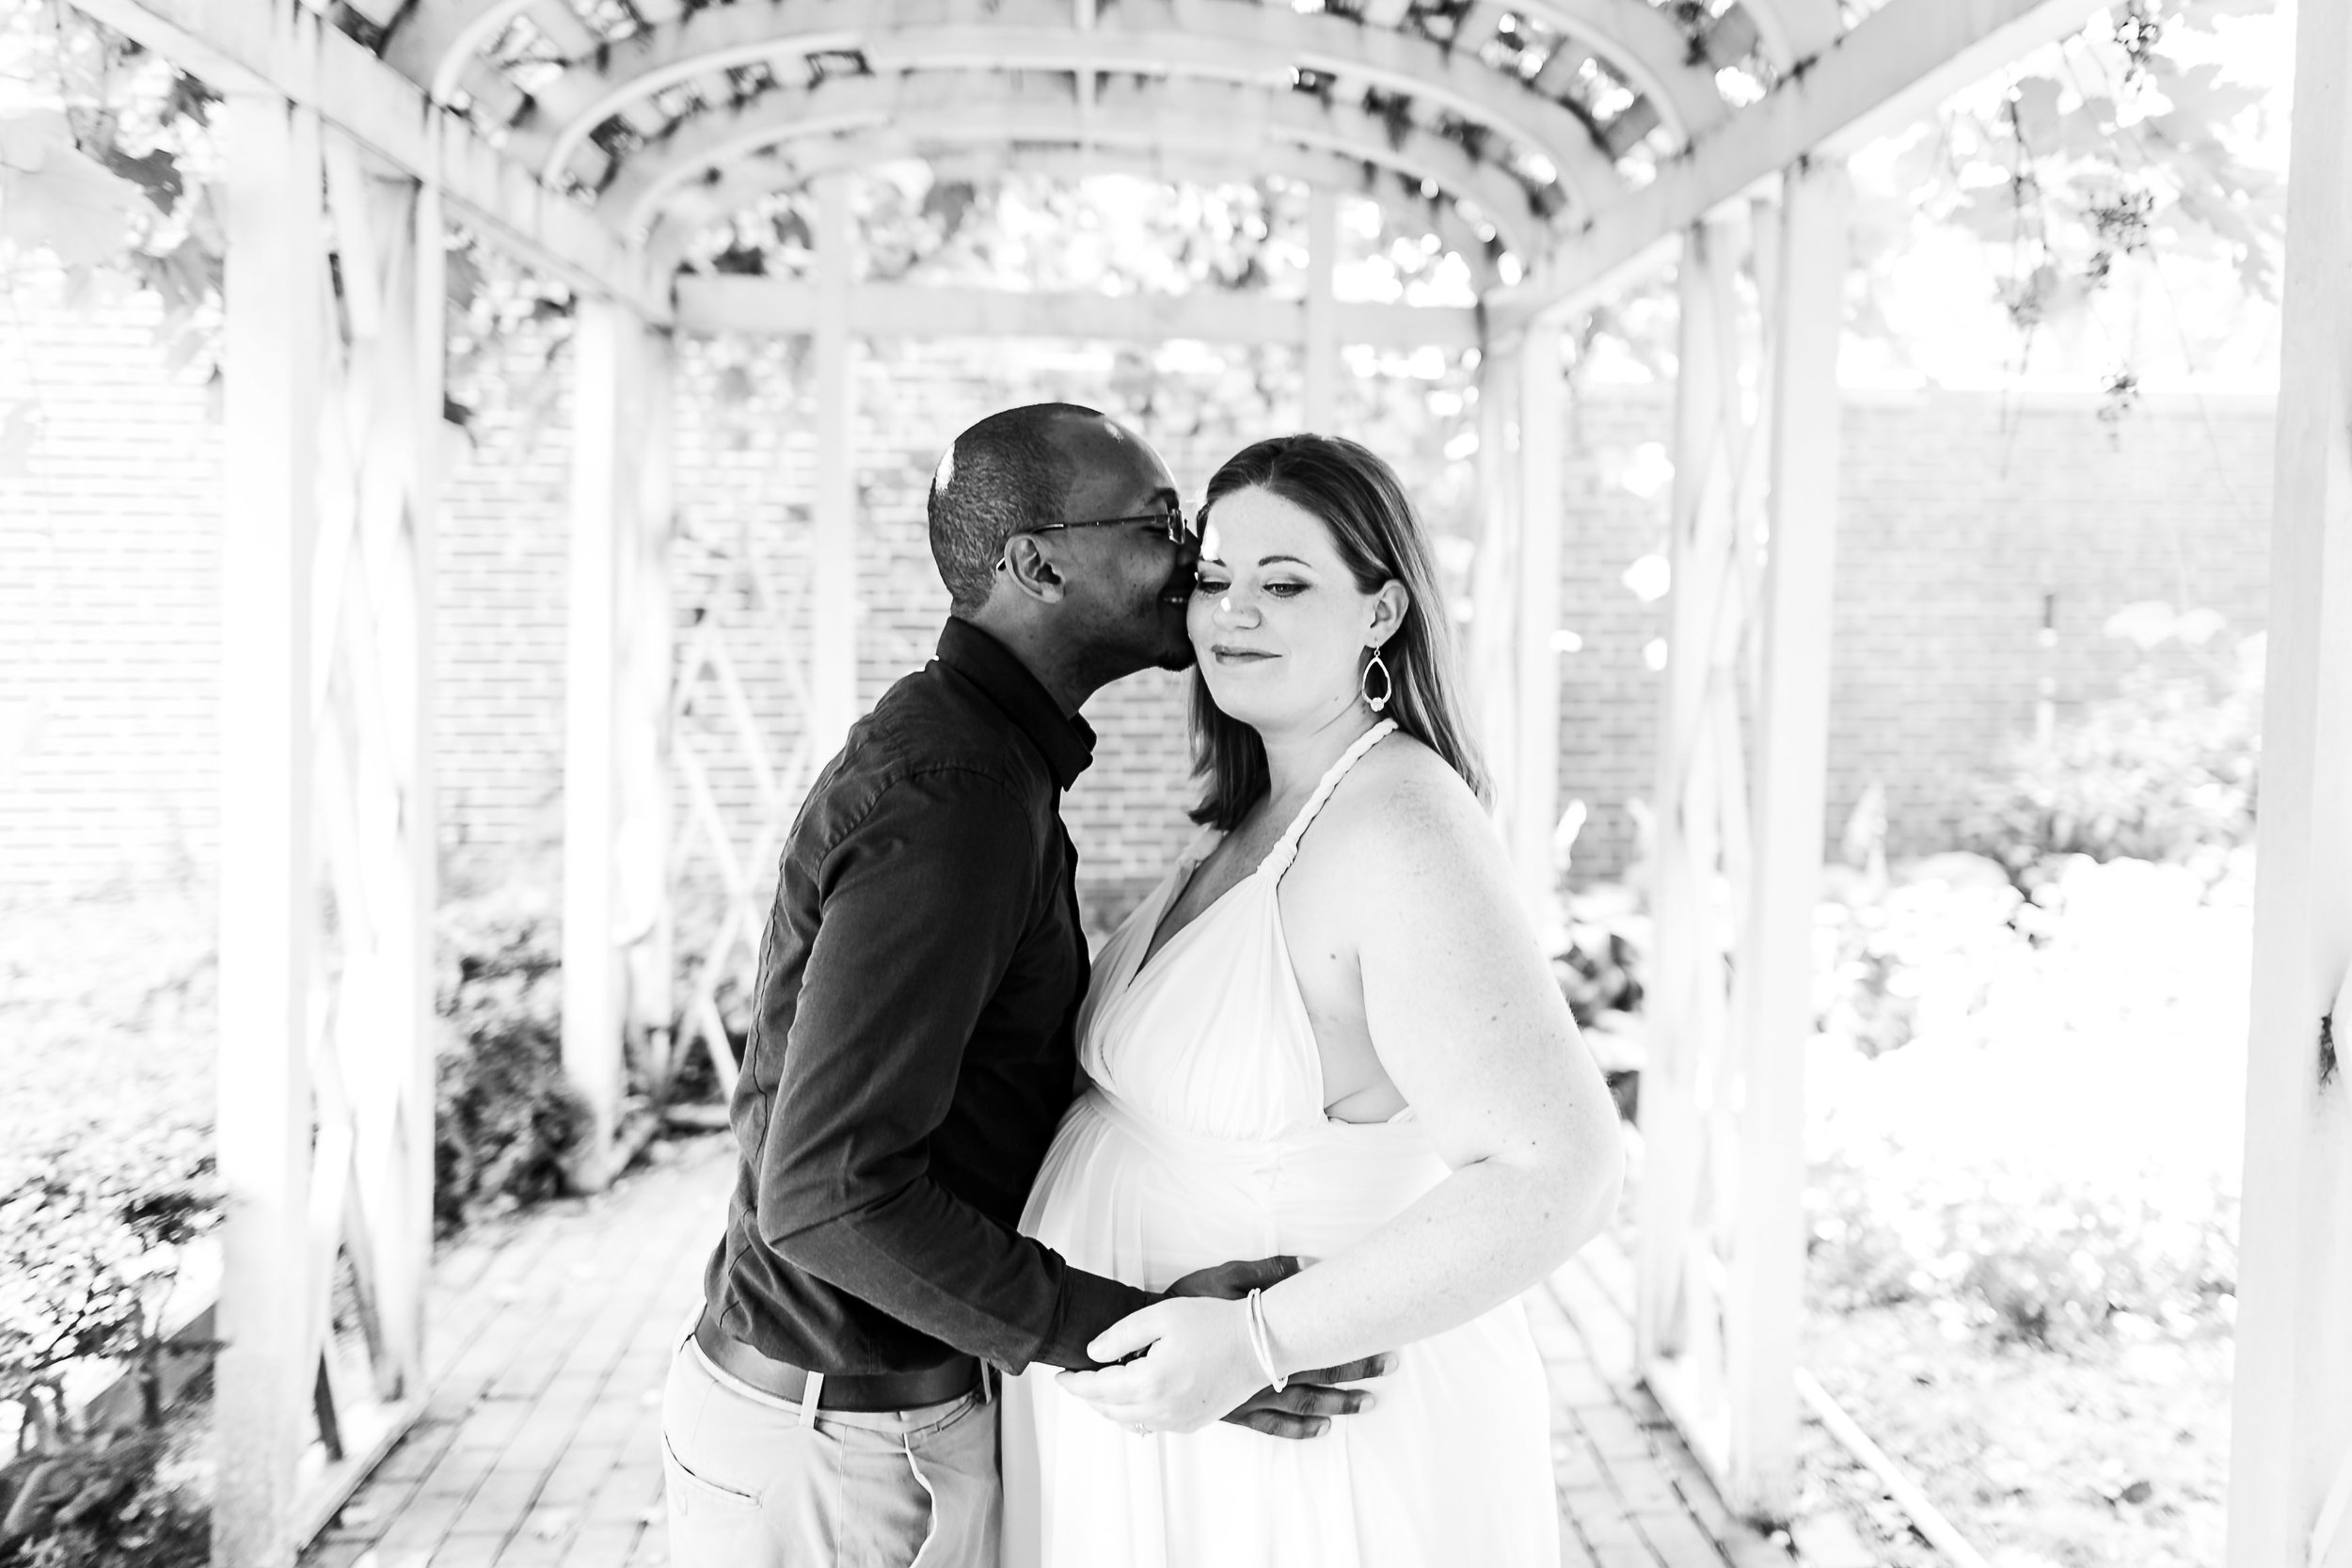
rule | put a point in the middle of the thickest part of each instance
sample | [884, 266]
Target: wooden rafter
[694, 211]
[282, 49]
[852, 122]
[1902, 57]
[1230, 40]
[779, 305]
[1641, 44]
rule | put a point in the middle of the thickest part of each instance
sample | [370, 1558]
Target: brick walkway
[550, 1339]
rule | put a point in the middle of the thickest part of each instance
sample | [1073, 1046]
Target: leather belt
[865, 1391]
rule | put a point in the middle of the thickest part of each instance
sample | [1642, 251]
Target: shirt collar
[1065, 740]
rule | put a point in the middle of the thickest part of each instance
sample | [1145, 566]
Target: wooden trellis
[326, 1130]
[718, 726]
[1737, 867]
[1555, 144]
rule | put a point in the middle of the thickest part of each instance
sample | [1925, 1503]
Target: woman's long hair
[1380, 538]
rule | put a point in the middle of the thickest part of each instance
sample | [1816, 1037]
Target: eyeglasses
[1171, 518]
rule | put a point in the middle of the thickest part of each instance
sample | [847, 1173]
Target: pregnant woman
[1329, 1031]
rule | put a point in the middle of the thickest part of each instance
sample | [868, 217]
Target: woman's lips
[1237, 655]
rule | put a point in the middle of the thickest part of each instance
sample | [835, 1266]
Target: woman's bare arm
[1466, 1020]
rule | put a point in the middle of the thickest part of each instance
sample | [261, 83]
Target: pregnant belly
[1128, 1197]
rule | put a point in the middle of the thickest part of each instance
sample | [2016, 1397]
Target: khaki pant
[750, 1485]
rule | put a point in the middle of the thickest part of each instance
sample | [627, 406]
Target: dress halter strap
[1286, 849]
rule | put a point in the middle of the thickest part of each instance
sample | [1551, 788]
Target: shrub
[2164, 770]
[99, 1504]
[504, 1116]
[2017, 1254]
[86, 1258]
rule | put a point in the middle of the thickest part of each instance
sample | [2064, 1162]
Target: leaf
[54, 196]
[2035, 109]
[157, 174]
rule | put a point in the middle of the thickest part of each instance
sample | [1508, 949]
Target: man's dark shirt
[914, 1045]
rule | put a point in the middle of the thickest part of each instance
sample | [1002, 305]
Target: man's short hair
[1005, 474]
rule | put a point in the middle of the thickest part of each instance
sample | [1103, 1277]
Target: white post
[1766, 1286]
[2291, 1439]
[605, 438]
[643, 739]
[273, 345]
[1685, 959]
[833, 615]
[1320, 357]
[1535, 802]
[410, 1253]
[1494, 658]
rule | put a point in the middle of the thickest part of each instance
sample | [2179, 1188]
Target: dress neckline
[1269, 869]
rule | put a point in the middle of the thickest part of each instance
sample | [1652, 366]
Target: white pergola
[1557, 146]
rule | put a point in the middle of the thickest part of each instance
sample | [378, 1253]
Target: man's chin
[1179, 657]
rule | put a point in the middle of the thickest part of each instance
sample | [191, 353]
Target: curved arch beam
[436, 39]
[1230, 40]
[697, 211]
[1194, 115]
[1642, 44]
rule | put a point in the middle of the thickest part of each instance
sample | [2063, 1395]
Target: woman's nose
[1235, 609]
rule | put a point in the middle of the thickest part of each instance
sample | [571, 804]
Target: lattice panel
[370, 1177]
[741, 608]
[1691, 1092]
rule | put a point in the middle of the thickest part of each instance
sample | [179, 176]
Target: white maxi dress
[1201, 1138]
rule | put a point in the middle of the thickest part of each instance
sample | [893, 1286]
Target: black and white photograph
[1175, 783]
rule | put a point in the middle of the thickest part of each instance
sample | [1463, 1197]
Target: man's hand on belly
[1308, 1402]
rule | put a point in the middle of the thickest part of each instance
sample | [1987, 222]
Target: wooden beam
[2291, 1431]
[779, 307]
[1775, 988]
[1494, 673]
[1641, 44]
[413, 1034]
[1891, 67]
[1218, 39]
[642, 734]
[1543, 438]
[273, 345]
[833, 580]
[1319, 353]
[604, 441]
[282, 48]
[854, 121]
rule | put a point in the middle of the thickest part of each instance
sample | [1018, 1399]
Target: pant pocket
[685, 1484]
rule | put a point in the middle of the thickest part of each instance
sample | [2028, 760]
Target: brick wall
[1959, 515]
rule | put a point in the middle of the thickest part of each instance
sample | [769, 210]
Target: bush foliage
[88, 1249]
[503, 1116]
[2164, 770]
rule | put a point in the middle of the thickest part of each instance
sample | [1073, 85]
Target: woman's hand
[1198, 1366]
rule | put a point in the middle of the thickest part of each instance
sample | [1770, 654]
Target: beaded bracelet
[1261, 1343]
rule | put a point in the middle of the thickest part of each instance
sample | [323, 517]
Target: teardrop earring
[1387, 685]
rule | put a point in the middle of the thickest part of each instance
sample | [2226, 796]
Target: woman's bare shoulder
[1403, 812]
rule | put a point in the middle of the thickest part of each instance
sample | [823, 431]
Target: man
[912, 1047]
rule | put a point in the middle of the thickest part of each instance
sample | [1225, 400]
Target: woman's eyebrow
[1270, 559]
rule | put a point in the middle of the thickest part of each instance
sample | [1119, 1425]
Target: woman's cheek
[1197, 617]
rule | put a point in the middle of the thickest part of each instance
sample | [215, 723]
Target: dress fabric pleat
[1202, 1137]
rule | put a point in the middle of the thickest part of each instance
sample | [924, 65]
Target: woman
[1329, 1031]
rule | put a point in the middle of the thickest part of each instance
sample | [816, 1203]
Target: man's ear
[1034, 572]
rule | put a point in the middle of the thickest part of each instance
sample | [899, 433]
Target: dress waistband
[1323, 1142]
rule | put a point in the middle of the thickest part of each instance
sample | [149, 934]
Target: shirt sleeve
[921, 907]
